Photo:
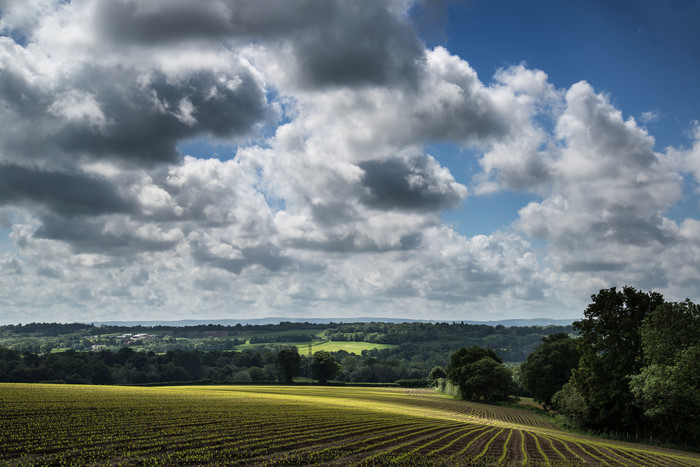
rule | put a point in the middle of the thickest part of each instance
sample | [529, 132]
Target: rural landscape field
[273, 425]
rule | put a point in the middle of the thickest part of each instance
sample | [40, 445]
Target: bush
[413, 383]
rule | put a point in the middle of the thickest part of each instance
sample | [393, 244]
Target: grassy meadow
[328, 346]
[272, 425]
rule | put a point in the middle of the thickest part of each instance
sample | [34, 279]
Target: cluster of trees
[128, 366]
[549, 367]
[267, 339]
[267, 363]
[633, 369]
[480, 374]
[513, 344]
[638, 372]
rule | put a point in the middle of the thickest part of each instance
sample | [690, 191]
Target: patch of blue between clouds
[688, 206]
[205, 148]
[477, 215]
[483, 215]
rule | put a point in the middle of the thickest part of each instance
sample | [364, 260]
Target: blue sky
[642, 53]
[441, 160]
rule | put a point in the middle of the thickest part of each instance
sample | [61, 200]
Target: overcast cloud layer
[332, 205]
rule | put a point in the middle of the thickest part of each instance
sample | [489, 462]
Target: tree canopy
[324, 366]
[639, 371]
[288, 361]
[549, 367]
[611, 349]
[668, 387]
[480, 374]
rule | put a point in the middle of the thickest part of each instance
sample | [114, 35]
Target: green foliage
[437, 372]
[433, 341]
[324, 366]
[570, 402]
[480, 374]
[288, 363]
[549, 367]
[668, 329]
[413, 383]
[611, 351]
[668, 388]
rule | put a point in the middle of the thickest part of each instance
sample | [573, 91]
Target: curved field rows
[272, 425]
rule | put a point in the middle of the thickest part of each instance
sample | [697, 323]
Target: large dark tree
[668, 387]
[610, 343]
[480, 374]
[549, 367]
[437, 372]
[324, 366]
[288, 364]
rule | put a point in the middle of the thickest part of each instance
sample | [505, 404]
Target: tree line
[633, 369]
[513, 344]
[260, 364]
[639, 367]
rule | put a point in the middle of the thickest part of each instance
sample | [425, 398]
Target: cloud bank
[333, 203]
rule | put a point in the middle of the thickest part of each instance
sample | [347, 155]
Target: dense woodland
[59, 352]
[512, 344]
[629, 368]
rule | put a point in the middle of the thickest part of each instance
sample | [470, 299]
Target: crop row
[56, 424]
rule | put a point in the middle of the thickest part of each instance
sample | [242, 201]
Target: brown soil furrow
[496, 446]
[403, 449]
[456, 445]
[475, 446]
[564, 450]
[443, 442]
[341, 448]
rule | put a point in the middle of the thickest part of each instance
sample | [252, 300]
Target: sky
[472, 160]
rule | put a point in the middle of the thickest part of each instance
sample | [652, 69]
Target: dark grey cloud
[363, 43]
[50, 272]
[333, 213]
[146, 122]
[340, 243]
[89, 235]
[143, 116]
[356, 242]
[531, 173]
[416, 184]
[165, 21]
[67, 194]
[628, 226]
[339, 42]
[593, 266]
[265, 255]
[203, 256]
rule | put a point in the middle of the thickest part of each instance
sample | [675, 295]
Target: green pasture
[350, 347]
[328, 346]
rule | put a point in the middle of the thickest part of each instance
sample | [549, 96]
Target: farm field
[258, 425]
[328, 346]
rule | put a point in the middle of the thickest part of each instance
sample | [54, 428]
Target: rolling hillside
[272, 425]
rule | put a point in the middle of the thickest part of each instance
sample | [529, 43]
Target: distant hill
[277, 320]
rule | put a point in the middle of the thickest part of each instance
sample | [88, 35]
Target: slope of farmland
[254, 425]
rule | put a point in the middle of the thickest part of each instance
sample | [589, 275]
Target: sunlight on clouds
[330, 201]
